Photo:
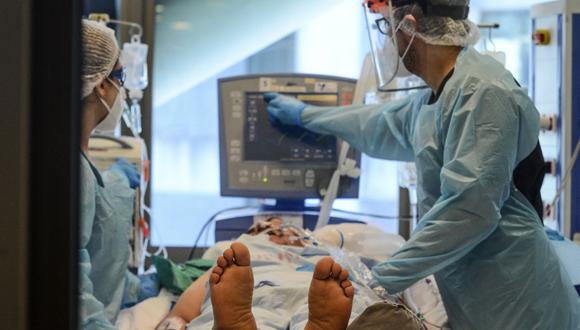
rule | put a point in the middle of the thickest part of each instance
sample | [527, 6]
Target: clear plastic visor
[384, 47]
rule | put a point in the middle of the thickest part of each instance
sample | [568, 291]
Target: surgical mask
[109, 124]
[395, 62]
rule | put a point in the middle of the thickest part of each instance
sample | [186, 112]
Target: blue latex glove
[123, 166]
[284, 110]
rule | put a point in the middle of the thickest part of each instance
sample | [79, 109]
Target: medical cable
[402, 89]
[145, 241]
[379, 216]
[433, 325]
[206, 238]
[161, 249]
[208, 222]
[567, 175]
[346, 167]
[406, 300]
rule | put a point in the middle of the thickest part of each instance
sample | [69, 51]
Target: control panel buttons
[275, 172]
[309, 183]
[310, 174]
[296, 173]
[285, 172]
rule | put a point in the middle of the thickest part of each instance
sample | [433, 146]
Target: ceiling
[196, 39]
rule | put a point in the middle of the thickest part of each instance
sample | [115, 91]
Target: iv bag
[134, 59]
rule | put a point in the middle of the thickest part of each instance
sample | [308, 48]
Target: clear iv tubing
[160, 250]
[145, 208]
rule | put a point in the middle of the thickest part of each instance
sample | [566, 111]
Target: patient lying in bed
[273, 279]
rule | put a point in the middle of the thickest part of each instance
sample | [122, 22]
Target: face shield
[384, 48]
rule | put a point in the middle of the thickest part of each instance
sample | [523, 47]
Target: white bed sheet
[147, 314]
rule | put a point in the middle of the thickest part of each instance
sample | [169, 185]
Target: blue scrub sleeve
[380, 131]
[91, 310]
[479, 156]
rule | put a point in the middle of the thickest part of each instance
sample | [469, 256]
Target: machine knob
[548, 123]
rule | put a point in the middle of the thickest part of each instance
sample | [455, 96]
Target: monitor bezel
[226, 191]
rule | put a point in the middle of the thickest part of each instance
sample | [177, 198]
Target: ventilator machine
[260, 160]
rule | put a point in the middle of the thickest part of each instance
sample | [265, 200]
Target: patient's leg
[330, 297]
[189, 304]
[232, 285]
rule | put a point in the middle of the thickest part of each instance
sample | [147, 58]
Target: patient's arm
[189, 304]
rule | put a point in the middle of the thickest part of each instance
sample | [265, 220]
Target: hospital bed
[371, 241]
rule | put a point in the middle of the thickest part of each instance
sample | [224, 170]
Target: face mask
[109, 124]
[395, 66]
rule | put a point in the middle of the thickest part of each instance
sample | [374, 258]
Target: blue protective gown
[105, 225]
[477, 233]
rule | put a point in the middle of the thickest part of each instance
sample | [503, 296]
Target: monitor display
[266, 142]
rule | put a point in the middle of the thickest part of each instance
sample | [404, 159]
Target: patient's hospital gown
[282, 276]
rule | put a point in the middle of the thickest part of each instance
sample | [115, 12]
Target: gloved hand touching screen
[284, 110]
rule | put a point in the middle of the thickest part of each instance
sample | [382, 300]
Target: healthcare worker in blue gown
[474, 138]
[106, 198]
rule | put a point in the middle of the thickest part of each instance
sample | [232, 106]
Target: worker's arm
[480, 150]
[380, 131]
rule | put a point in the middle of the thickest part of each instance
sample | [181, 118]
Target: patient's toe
[229, 256]
[241, 254]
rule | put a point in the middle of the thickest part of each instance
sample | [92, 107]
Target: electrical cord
[208, 222]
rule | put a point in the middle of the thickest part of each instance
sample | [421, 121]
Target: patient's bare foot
[330, 297]
[232, 285]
